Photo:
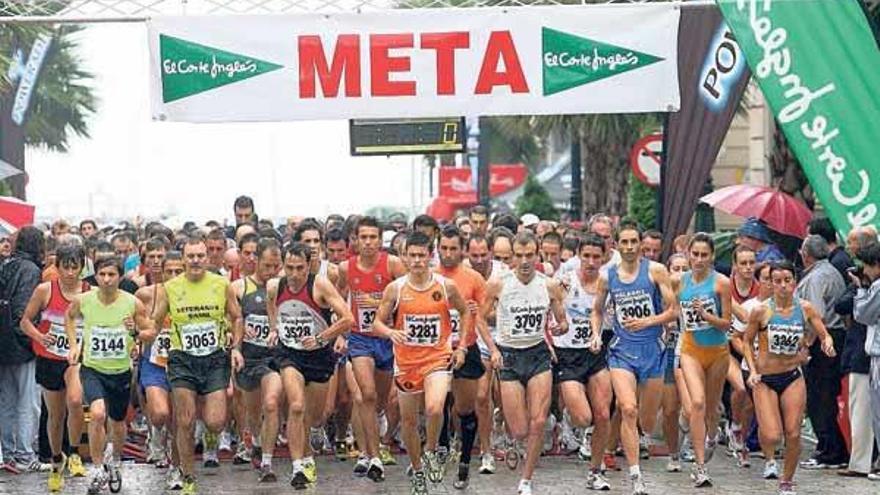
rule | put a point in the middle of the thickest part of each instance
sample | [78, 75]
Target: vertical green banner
[818, 65]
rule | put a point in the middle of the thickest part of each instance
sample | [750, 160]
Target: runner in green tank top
[202, 307]
[109, 332]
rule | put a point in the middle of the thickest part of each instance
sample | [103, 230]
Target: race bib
[366, 317]
[784, 339]
[107, 343]
[258, 325]
[455, 324]
[293, 329]
[693, 320]
[61, 347]
[160, 348]
[637, 305]
[199, 339]
[582, 331]
[671, 336]
[527, 323]
[422, 330]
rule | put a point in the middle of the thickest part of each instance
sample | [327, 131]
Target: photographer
[866, 310]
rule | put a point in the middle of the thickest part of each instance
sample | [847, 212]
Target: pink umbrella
[780, 211]
[14, 214]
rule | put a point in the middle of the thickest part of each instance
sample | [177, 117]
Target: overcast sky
[132, 165]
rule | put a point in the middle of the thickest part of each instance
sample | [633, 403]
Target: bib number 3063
[199, 339]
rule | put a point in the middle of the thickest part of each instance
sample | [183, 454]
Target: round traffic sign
[645, 159]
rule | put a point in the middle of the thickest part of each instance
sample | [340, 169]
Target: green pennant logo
[190, 68]
[571, 61]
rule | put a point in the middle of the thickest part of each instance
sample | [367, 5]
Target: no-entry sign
[416, 63]
[645, 159]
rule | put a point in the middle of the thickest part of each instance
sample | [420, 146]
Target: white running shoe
[225, 442]
[596, 481]
[525, 487]
[487, 463]
[771, 470]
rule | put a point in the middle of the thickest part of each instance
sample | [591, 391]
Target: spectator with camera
[866, 310]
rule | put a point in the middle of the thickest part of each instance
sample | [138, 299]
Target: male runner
[465, 381]
[62, 390]
[525, 299]
[109, 317]
[199, 303]
[581, 369]
[366, 275]
[481, 261]
[300, 306]
[642, 301]
[420, 303]
[259, 380]
[154, 380]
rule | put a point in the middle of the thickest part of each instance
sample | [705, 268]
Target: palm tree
[605, 142]
[62, 100]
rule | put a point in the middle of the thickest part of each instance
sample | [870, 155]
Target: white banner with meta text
[416, 63]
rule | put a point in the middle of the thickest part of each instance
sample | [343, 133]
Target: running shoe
[742, 459]
[98, 482]
[433, 466]
[787, 488]
[75, 466]
[645, 447]
[224, 441]
[190, 487]
[210, 459]
[376, 471]
[585, 451]
[638, 485]
[525, 487]
[317, 436]
[341, 451]
[487, 463]
[298, 478]
[771, 470]
[310, 469]
[609, 462]
[419, 485]
[386, 456]
[362, 465]
[32, 466]
[256, 456]
[596, 481]
[266, 474]
[242, 455]
[710, 448]
[700, 476]
[464, 476]
[174, 479]
[673, 465]
[56, 475]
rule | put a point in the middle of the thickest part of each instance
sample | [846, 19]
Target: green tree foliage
[63, 99]
[535, 199]
[641, 203]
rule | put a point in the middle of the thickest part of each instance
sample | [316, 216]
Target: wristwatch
[320, 340]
